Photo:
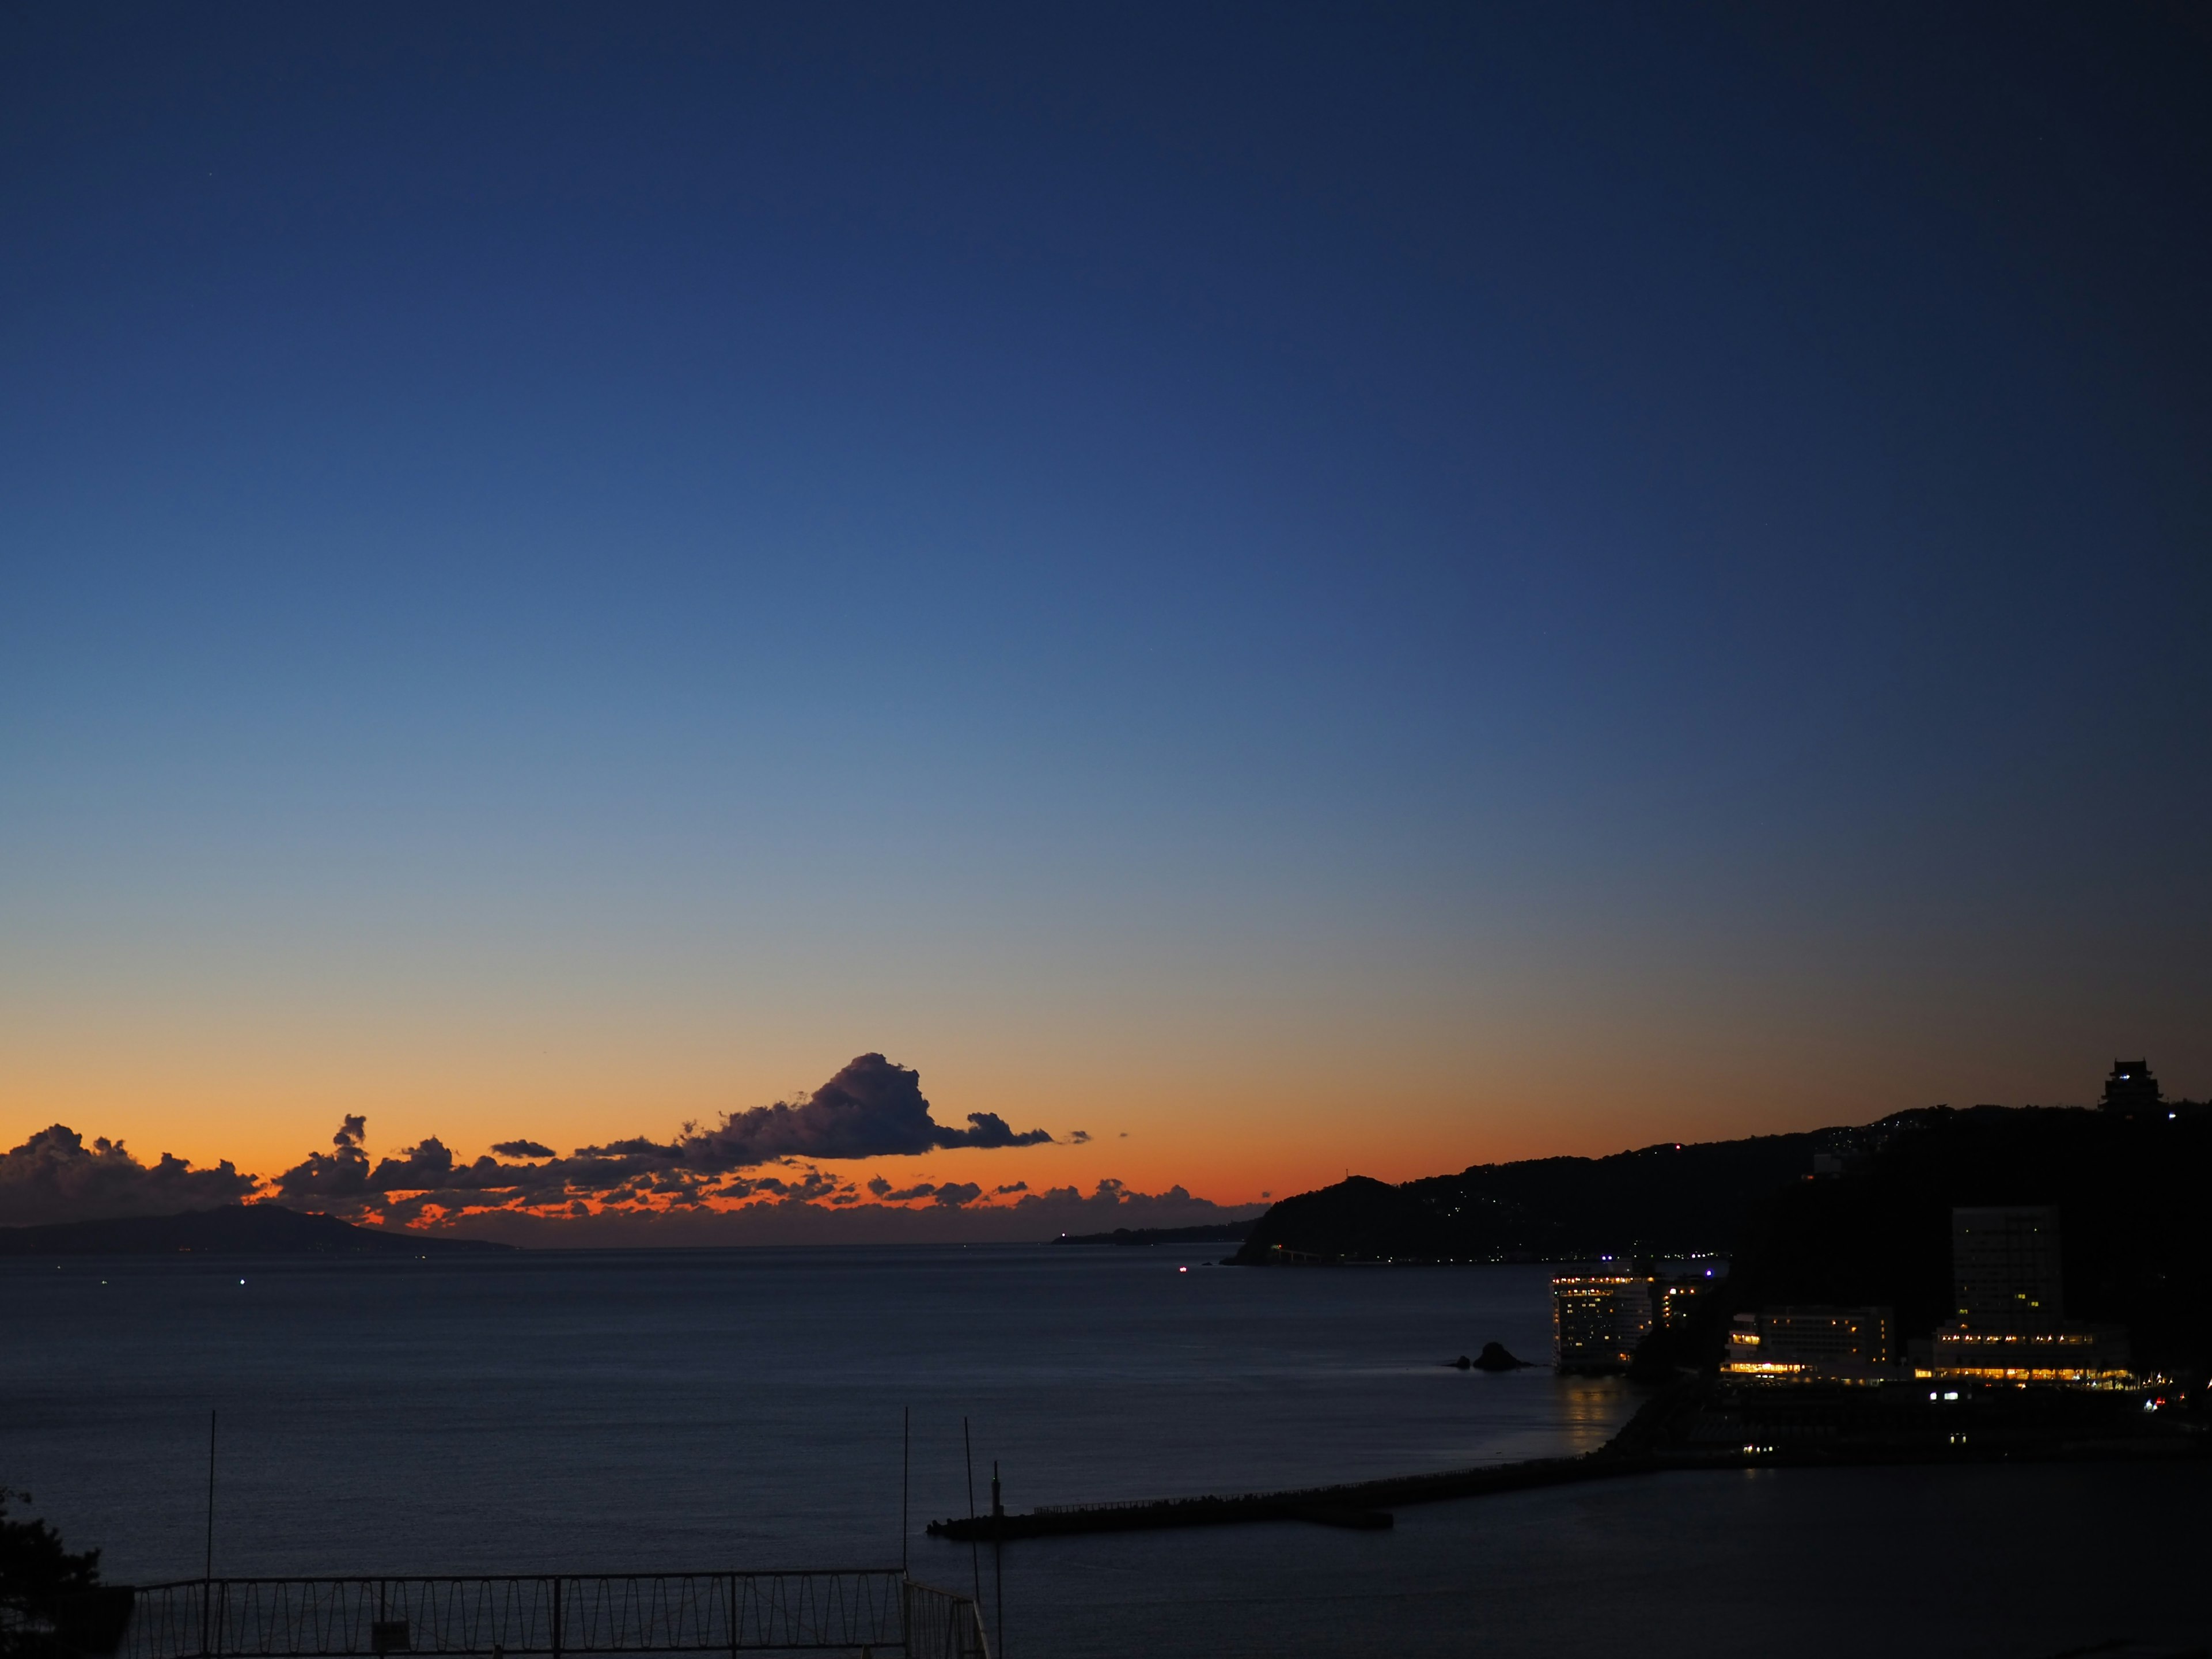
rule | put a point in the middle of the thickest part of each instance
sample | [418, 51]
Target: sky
[1294, 589]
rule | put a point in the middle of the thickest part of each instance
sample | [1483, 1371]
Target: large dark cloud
[871, 1108]
[341, 1173]
[54, 1176]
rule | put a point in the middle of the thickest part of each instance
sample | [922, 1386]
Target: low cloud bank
[1031, 1217]
[54, 1176]
[754, 1177]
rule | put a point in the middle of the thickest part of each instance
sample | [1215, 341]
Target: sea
[553, 1411]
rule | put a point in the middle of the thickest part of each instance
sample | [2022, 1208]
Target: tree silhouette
[39, 1579]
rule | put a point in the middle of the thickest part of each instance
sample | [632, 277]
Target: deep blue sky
[1330, 585]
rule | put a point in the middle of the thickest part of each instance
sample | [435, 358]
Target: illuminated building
[1597, 1320]
[2005, 1268]
[1676, 1297]
[1810, 1343]
[2089, 1355]
[2011, 1327]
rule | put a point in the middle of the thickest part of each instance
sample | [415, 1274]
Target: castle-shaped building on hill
[2131, 1090]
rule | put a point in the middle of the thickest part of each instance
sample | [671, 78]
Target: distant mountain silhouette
[1205, 1232]
[234, 1230]
[1663, 1201]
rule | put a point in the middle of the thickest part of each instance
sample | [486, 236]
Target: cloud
[1111, 1204]
[53, 1177]
[871, 1109]
[341, 1174]
[428, 1165]
[1078, 1137]
[989, 1129]
[702, 1185]
[812, 1185]
[843, 1220]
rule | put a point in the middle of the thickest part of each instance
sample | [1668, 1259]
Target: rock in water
[1495, 1358]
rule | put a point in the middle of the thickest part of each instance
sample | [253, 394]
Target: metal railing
[553, 1614]
[940, 1625]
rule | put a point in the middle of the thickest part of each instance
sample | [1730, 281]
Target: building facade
[1597, 1320]
[2005, 1268]
[1810, 1343]
[2084, 1355]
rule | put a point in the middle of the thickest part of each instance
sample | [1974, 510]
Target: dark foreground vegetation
[234, 1230]
[51, 1602]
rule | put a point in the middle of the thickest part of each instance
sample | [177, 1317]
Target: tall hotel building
[1598, 1319]
[2007, 1291]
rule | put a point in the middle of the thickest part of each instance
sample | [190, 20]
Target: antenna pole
[999, 1555]
[207, 1565]
[974, 1549]
[906, 1479]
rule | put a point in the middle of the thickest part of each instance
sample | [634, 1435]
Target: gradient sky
[1314, 588]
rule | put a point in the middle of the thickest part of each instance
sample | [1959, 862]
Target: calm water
[742, 1408]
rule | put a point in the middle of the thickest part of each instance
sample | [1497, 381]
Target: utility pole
[207, 1564]
[999, 1555]
[906, 1479]
[974, 1549]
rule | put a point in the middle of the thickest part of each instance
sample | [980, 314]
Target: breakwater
[1691, 1424]
[1361, 1504]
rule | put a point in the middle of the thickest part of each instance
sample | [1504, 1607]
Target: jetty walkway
[1361, 1504]
[1656, 1439]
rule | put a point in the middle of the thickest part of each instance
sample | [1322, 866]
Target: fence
[554, 1615]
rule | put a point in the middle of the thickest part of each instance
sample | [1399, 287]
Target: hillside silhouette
[1668, 1199]
[1876, 1228]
